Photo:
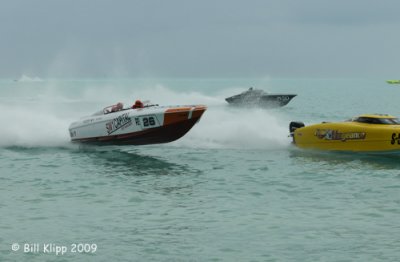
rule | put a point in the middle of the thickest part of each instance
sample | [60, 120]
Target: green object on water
[393, 81]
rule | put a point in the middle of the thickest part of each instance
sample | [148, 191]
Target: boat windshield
[254, 91]
[372, 120]
[99, 113]
[108, 110]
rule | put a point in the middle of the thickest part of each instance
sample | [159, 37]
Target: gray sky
[207, 38]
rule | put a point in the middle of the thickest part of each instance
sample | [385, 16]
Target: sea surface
[233, 189]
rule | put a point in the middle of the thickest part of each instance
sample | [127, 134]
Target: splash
[224, 127]
[221, 125]
[30, 127]
[42, 119]
[25, 78]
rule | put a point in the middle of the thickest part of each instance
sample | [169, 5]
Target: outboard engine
[294, 125]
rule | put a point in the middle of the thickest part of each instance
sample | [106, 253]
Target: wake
[43, 119]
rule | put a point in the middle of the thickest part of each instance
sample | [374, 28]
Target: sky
[207, 38]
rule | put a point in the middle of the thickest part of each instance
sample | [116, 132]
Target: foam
[25, 78]
[223, 127]
[31, 127]
[43, 120]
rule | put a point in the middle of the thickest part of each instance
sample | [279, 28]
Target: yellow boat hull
[349, 136]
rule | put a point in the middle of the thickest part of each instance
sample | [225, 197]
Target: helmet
[138, 104]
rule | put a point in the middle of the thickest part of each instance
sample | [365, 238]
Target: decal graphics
[118, 123]
[395, 138]
[137, 121]
[329, 134]
[283, 98]
[72, 133]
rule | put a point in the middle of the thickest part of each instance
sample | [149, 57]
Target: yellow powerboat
[366, 133]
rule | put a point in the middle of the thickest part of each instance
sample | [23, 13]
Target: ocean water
[232, 189]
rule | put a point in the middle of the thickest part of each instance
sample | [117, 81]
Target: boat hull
[265, 101]
[137, 126]
[349, 137]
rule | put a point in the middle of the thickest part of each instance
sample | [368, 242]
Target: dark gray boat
[259, 98]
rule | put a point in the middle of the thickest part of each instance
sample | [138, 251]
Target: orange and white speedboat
[151, 124]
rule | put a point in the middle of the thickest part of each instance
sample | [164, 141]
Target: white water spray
[43, 120]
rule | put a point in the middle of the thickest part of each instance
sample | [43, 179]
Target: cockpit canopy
[254, 92]
[376, 119]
